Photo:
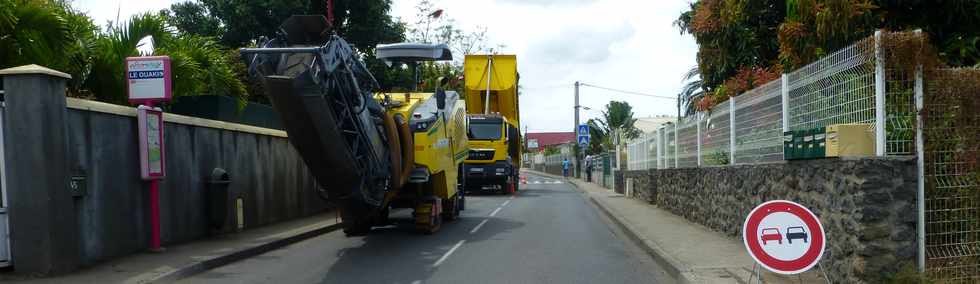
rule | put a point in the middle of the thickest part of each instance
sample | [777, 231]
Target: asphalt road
[547, 233]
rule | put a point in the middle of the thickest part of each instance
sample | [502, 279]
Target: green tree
[618, 118]
[194, 18]
[47, 33]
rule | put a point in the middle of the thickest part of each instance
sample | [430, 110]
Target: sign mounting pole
[149, 82]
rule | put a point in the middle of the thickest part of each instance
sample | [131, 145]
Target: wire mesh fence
[687, 143]
[837, 89]
[716, 136]
[759, 124]
[951, 134]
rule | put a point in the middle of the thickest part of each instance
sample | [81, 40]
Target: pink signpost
[148, 82]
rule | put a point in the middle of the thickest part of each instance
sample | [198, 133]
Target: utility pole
[578, 155]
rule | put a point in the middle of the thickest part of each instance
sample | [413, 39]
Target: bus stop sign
[784, 237]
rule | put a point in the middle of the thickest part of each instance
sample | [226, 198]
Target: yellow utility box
[850, 140]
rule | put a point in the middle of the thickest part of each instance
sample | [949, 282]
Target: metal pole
[575, 130]
[879, 97]
[731, 131]
[921, 184]
[486, 102]
[785, 94]
[698, 122]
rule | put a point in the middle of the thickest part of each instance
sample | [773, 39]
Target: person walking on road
[564, 167]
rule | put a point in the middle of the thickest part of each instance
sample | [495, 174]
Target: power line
[626, 92]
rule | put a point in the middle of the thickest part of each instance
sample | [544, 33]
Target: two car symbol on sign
[772, 234]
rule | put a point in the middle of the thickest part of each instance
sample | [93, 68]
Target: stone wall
[866, 206]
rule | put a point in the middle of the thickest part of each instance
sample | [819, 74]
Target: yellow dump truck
[495, 143]
[368, 151]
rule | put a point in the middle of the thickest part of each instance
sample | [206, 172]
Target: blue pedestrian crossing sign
[583, 134]
[583, 130]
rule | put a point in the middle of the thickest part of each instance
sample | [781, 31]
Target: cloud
[547, 2]
[580, 44]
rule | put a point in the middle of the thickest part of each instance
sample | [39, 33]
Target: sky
[623, 44]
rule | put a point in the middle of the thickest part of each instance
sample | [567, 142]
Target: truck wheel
[425, 221]
[356, 219]
[450, 209]
[462, 200]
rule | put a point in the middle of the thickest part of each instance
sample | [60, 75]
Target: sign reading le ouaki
[784, 237]
[148, 79]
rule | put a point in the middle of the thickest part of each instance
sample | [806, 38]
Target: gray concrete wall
[112, 217]
[866, 206]
[48, 140]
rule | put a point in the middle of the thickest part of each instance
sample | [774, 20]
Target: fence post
[731, 131]
[676, 145]
[921, 184]
[698, 122]
[785, 93]
[660, 147]
[879, 97]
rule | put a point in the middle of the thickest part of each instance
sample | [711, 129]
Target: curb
[678, 271]
[218, 261]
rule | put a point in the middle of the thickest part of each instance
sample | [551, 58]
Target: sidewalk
[690, 252]
[183, 260]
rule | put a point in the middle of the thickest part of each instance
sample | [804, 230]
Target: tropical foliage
[744, 43]
[53, 34]
[202, 38]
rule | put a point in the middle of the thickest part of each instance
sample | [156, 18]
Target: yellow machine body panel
[441, 144]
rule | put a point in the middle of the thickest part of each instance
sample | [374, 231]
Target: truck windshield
[485, 131]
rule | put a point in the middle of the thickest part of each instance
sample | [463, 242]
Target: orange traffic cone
[510, 188]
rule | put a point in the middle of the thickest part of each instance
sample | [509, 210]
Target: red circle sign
[784, 237]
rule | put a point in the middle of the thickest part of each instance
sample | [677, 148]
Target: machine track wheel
[428, 215]
[451, 208]
[356, 218]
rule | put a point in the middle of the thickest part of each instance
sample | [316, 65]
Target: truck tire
[356, 218]
[450, 208]
[462, 200]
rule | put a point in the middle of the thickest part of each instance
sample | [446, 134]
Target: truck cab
[494, 145]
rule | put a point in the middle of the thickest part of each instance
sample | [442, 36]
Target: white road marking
[537, 182]
[445, 256]
[495, 211]
[473, 231]
[417, 282]
[505, 203]
[511, 197]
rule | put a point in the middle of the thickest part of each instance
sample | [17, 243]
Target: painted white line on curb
[505, 203]
[495, 211]
[478, 226]
[445, 256]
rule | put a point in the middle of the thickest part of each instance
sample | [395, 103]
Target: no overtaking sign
[784, 237]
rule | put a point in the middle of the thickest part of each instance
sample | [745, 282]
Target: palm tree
[692, 92]
[47, 33]
[199, 65]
